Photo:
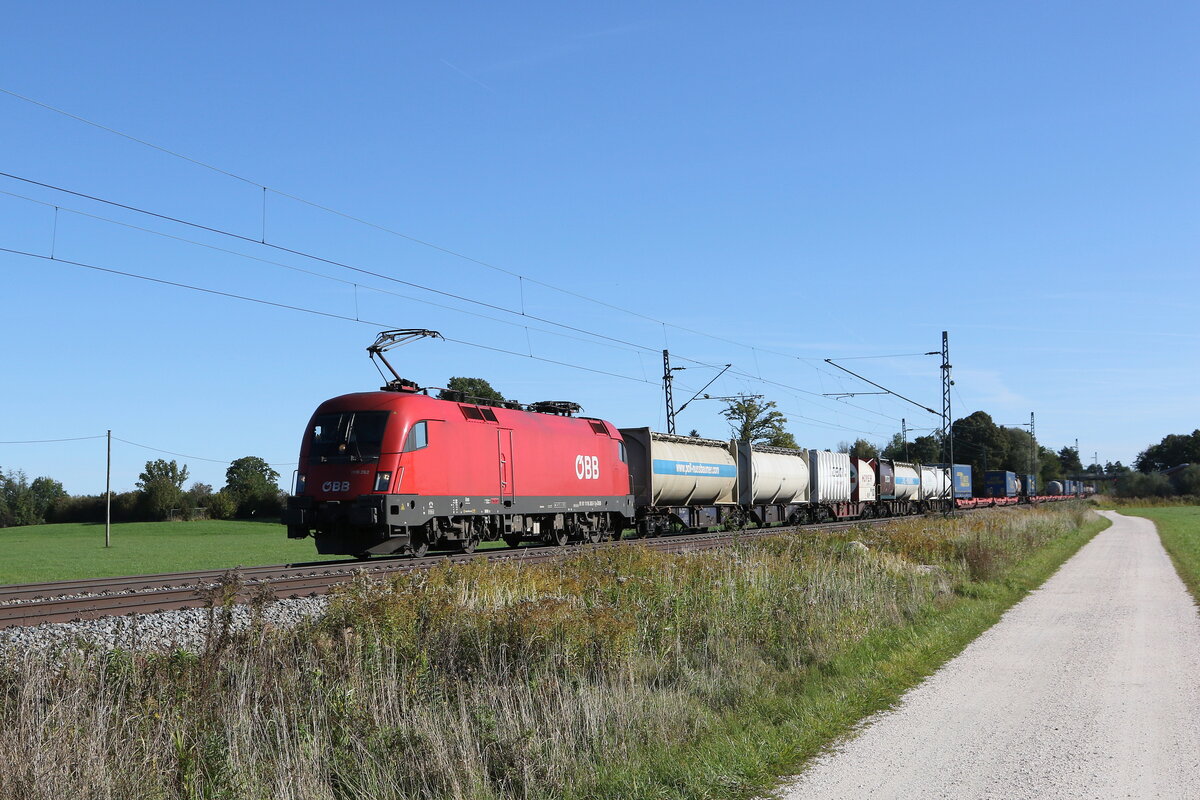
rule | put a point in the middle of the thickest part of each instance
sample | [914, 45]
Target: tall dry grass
[576, 679]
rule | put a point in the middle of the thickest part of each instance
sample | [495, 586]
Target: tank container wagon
[773, 484]
[935, 488]
[898, 488]
[681, 481]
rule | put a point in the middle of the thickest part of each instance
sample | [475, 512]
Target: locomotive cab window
[418, 437]
[348, 436]
[621, 452]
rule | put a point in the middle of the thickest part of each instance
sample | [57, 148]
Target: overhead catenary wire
[377, 324]
[302, 309]
[361, 270]
[315, 273]
[379, 227]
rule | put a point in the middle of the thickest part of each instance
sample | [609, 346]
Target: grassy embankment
[622, 673]
[1179, 530]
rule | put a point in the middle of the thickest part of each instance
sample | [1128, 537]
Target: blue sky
[763, 184]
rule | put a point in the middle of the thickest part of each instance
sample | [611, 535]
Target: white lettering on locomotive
[335, 486]
[587, 468]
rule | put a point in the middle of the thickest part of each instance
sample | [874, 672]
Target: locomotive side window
[621, 452]
[348, 436]
[418, 437]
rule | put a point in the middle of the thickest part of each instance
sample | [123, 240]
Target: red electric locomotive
[400, 471]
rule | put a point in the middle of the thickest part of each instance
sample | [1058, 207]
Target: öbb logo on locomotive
[335, 486]
[587, 468]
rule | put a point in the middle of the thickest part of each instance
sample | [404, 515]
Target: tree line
[251, 490]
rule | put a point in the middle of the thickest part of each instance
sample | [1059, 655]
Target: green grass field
[76, 550]
[1179, 530]
[37, 553]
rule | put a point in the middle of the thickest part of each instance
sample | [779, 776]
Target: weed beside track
[618, 673]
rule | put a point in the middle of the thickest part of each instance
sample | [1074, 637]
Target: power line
[322, 259]
[379, 227]
[382, 276]
[314, 273]
[195, 458]
[302, 309]
[43, 441]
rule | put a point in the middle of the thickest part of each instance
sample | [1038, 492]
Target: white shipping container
[830, 476]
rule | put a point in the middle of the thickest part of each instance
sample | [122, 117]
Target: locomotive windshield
[348, 436]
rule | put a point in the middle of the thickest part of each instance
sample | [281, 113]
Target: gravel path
[1088, 688]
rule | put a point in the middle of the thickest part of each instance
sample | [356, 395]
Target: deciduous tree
[476, 390]
[253, 486]
[751, 420]
[161, 486]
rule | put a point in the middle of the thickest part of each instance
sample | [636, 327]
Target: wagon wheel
[512, 539]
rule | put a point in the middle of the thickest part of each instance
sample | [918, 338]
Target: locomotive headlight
[382, 481]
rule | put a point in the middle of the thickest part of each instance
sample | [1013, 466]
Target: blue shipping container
[1029, 483]
[962, 479]
[997, 483]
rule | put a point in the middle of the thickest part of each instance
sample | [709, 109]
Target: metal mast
[667, 378]
[947, 419]
[1033, 445]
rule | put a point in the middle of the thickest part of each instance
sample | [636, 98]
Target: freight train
[400, 471]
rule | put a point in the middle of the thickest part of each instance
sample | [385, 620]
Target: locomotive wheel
[469, 544]
[418, 545]
[512, 539]
[595, 536]
[559, 538]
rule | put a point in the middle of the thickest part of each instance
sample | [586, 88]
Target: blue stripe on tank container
[663, 466]
[907, 481]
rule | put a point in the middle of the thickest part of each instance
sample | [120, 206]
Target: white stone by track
[1088, 688]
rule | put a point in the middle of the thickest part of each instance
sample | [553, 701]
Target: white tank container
[908, 481]
[935, 483]
[830, 473]
[769, 475]
[673, 470]
[862, 481]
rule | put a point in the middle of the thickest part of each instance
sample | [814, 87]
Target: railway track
[69, 601]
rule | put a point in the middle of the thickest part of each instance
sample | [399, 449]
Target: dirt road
[1089, 688]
